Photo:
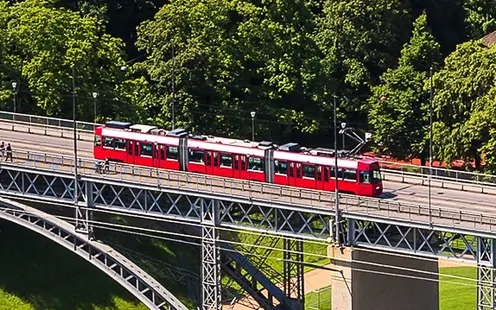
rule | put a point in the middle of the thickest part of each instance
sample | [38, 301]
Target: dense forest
[215, 61]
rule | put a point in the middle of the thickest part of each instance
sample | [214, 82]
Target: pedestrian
[107, 165]
[9, 153]
[2, 149]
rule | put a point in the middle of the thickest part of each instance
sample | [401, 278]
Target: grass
[36, 273]
[454, 294]
[458, 294]
[319, 300]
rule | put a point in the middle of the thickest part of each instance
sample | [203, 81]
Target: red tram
[288, 164]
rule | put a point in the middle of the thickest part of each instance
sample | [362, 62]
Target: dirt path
[319, 278]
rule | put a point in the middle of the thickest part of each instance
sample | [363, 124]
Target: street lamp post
[336, 190]
[14, 87]
[95, 95]
[253, 113]
[173, 112]
[343, 126]
[74, 128]
[430, 144]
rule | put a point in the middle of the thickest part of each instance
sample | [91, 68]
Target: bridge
[458, 225]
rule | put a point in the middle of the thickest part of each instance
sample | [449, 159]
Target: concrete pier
[361, 286]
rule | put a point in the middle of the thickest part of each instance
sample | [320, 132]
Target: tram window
[120, 144]
[162, 152]
[309, 171]
[350, 175]
[365, 177]
[243, 163]
[319, 173]
[130, 148]
[291, 169]
[98, 141]
[108, 142]
[196, 156]
[326, 173]
[281, 167]
[340, 173]
[216, 159]
[172, 153]
[225, 160]
[298, 170]
[236, 162]
[136, 149]
[208, 159]
[255, 163]
[146, 149]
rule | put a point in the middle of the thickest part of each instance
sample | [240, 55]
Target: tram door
[210, 162]
[239, 166]
[130, 151]
[294, 173]
[322, 177]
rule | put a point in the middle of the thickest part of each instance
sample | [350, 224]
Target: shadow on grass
[47, 276]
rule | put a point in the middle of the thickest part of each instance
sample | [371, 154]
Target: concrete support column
[364, 283]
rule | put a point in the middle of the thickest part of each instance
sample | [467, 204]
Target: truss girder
[126, 273]
[293, 271]
[232, 212]
[486, 282]
[421, 241]
[211, 264]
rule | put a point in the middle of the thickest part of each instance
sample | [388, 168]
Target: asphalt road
[399, 192]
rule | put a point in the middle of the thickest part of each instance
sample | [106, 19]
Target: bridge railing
[304, 200]
[392, 170]
[408, 170]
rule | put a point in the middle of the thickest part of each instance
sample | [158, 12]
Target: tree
[43, 43]
[399, 114]
[232, 57]
[464, 90]
[360, 40]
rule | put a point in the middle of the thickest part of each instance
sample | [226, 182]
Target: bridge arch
[123, 271]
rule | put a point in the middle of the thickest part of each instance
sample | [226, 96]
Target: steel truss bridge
[297, 214]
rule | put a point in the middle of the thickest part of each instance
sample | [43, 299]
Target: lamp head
[95, 94]
[253, 113]
[14, 85]
[343, 125]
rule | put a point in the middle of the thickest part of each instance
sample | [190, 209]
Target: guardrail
[265, 193]
[48, 126]
[404, 173]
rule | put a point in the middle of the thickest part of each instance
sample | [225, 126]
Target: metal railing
[393, 171]
[260, 193]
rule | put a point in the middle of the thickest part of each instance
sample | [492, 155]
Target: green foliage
[232, 57]
[399, 113]
[464, 104]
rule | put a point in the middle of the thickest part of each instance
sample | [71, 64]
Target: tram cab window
[365, 177]
[376, 176]
[98, 141]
